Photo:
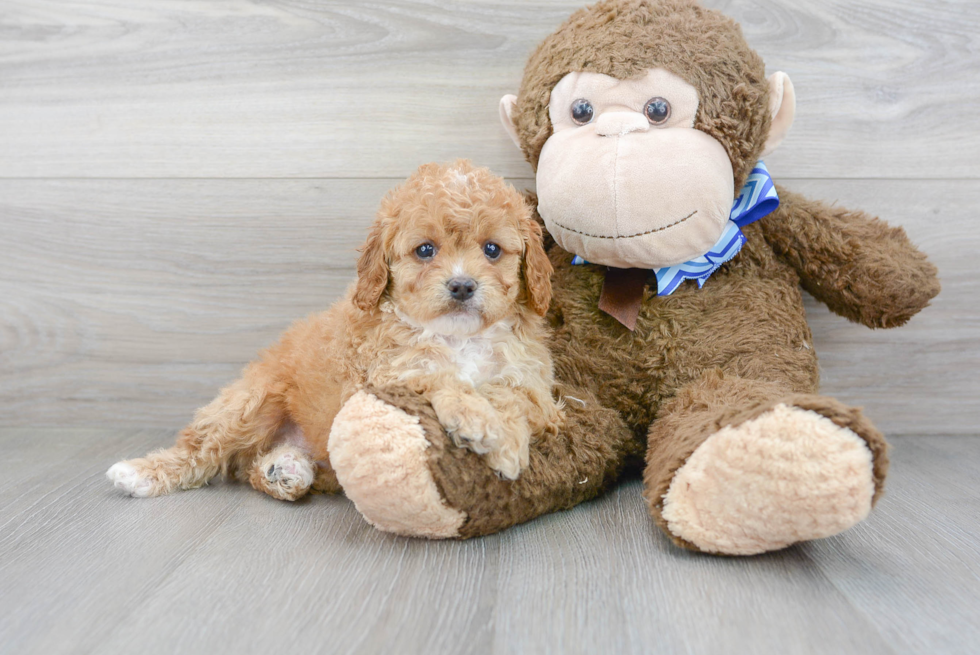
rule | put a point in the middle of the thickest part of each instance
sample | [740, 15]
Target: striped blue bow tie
[758, 199]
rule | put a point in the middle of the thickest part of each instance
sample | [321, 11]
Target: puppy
[452, 286]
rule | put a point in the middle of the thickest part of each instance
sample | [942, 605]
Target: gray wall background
[180, 180]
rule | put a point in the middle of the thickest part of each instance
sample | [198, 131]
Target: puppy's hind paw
[128, 478]
[284, 474]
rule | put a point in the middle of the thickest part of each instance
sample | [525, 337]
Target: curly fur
[482, 363]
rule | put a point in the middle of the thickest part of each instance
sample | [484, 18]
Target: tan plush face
[456, 250]
[625, 180]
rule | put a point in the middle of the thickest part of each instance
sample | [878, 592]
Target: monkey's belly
[752, 327]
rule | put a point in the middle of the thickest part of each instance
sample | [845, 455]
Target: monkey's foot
[378, 452]
[786, 476]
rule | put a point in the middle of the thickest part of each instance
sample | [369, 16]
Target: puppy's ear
[536, 267]
[372, 269]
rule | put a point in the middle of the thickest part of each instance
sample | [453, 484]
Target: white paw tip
[508, 467]
[125, 477]
[290, 471]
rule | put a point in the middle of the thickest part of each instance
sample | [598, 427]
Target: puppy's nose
[461, 288]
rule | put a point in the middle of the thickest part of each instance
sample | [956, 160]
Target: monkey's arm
[859, 266]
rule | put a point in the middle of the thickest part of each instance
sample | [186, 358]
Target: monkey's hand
[859, 266]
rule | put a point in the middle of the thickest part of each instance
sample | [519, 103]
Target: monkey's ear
[782, 108]
[506, 117]
[372, 270]
[536, 267]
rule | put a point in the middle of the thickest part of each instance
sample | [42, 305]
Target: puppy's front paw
[472, 425]
[470, 420]
[133, 481]
[511, 455]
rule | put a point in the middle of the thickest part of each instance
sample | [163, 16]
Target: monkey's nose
[619, 123]
[461, 288]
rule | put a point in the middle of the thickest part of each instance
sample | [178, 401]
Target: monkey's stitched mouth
[627, 236]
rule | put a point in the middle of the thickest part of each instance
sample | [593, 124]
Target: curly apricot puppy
[452, 287]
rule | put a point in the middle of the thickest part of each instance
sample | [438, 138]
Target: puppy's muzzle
[461, 288]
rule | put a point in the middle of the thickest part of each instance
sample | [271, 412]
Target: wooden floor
[224, 569]
[180, 179]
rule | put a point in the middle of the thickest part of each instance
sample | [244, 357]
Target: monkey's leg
[233, 428]
[739, 467]
[405, 475]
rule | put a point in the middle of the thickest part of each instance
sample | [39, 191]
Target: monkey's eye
[657, 110]
[491, 250]
[425, 251]
[582, 111]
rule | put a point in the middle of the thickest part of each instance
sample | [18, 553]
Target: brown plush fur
[699, 359]
[731, 350]
[624, 38]
[482, 363]
[566, 468]
[859, 266]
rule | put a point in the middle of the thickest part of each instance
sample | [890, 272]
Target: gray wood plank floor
[225, 569]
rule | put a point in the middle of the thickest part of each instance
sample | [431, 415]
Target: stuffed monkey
[680, 337]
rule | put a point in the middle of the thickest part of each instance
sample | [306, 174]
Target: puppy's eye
[491, 250]
[425, 251]
[582, 111]
[657, 110]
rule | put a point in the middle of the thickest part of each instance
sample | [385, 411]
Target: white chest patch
[472, 358]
